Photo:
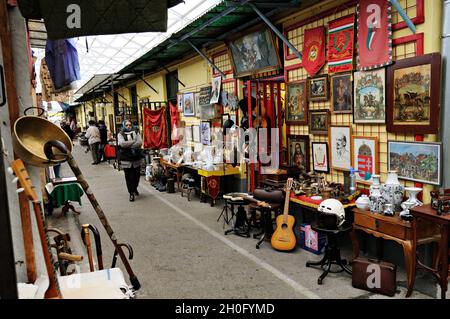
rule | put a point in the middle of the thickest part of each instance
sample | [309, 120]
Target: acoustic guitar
[24, 180]
[284, 238]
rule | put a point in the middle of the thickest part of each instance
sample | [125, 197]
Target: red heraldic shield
[374, 34]
[341, 33]
[365, 165]
[155, 128]
[314, 50]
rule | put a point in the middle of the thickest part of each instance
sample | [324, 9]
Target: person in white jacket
[130, 156]
[93, 136]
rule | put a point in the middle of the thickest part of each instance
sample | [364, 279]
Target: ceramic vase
[412, 195]
[376, 182]
[388, 210]
[392, 191]
[376, 200]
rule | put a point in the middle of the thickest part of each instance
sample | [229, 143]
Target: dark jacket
[103, 134]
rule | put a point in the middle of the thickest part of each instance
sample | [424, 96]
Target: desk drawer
[382, 226]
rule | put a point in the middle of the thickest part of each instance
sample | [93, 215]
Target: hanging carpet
[155, 128]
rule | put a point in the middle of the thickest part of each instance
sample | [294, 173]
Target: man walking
[93, 135]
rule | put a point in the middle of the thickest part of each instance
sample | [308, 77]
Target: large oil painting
[297, 106]
[254, 53]
[416, 161]
[414, 92]
[369, 97]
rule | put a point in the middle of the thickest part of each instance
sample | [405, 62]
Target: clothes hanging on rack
[155, 128]
[62, 61]
[174, 123]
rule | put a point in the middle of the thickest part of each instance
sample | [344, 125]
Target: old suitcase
[375, 276]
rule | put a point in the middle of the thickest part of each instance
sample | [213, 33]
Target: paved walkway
[180, 250]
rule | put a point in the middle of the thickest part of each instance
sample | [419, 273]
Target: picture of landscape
[415, 161]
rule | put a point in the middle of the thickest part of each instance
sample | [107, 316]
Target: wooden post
[13, 107]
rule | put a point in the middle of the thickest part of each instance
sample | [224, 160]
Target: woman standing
[130, 156]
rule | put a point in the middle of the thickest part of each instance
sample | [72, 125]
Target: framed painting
[318, 88]
[340, 137]
[365, 158]
[253, 53]
[196, 133]
[369, 97]
[319, 122]
[188, 104]
[205, 132]
[298, 151]
[225, 117]
[188, 134]
[342, 93]
[414, 95]
[416, 161]
[297, 104]
[215, 89]
[197, 104]
[320, 157]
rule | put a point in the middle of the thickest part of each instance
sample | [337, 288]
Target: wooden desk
[391, 228]
[214, 177]
[440, 269]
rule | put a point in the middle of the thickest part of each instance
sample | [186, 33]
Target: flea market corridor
[180, 250]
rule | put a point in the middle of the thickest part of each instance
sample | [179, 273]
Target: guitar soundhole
[284, 226]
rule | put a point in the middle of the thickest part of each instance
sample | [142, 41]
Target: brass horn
[31, 133]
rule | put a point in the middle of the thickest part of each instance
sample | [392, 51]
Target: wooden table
[392, 228]
[229, 170]
[440, 268]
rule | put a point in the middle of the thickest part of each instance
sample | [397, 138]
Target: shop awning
[73, 18]
[219, 24]
[101, 84]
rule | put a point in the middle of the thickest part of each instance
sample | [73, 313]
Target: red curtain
[155, 128]
[174, 122]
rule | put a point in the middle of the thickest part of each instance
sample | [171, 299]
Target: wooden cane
[87, 241]
[101, 215]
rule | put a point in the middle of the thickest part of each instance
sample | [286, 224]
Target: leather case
[269, 195]
[375, 276]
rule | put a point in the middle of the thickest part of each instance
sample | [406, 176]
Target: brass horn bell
[31, 133]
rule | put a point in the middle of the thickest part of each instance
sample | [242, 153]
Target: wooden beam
[13, 107]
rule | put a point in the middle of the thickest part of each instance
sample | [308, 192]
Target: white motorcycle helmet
[333, 207]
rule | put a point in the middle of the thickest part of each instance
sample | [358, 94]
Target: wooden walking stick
[101, 215]
[87, 241]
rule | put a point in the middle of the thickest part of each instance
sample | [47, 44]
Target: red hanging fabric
[155, 128]
[314, 50]
[174, 123]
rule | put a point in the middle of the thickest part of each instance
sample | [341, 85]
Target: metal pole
[445, 117]
[206, 58]
[277, 32]
[148, 84]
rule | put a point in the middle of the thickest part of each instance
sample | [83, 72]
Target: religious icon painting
[369, 97]
[340, 144]
[320, 157]
[298, 151]
[365, 158]
[188, 104]
[297, 105]
[342, 93]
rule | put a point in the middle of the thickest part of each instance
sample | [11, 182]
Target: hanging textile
[374, 34]
[155, 128]
[340, 44]
[62, 61]
[213, 186]
[314, 50]
[174, 123]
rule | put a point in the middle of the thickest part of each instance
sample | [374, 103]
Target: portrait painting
[369, 97]
[215, 90]
[205, 132]
[342, 93]
[188, 104]
[340, 145]
[253, 53]
[365, 158]
[413, 95]
[298, 151]
[318, 88]
[320, 157]
[416, 161]
[319, 122]
[297, 105]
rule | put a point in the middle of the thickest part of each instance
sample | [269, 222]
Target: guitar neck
[286, 204]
